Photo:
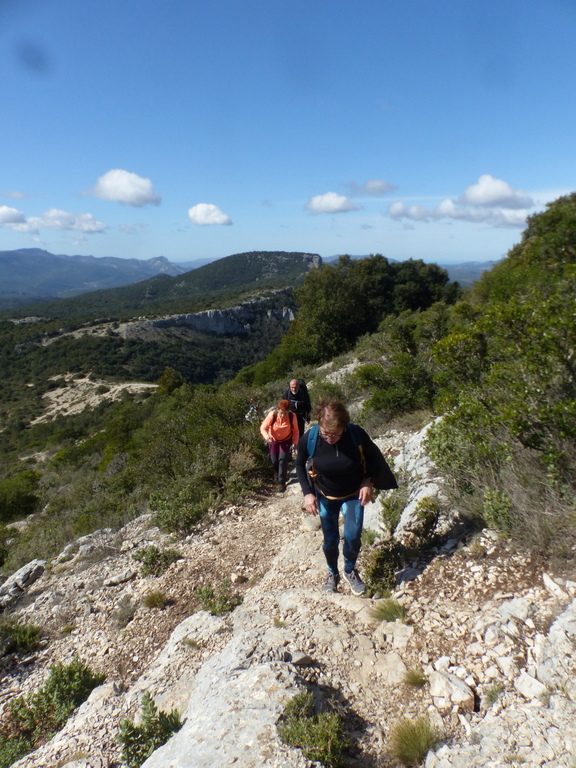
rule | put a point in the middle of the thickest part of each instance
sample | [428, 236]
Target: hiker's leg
[353, 512]
[329, 514]
[283, 456]
[274, 453]
[301, 424]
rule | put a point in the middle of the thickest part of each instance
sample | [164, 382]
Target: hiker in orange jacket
[280, 432]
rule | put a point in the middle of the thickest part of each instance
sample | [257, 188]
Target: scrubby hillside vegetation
[496, 364]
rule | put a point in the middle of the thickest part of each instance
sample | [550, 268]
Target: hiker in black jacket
[299, 399]
[345, 466]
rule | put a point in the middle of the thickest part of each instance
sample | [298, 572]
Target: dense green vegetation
[339, 303]
[498, 367]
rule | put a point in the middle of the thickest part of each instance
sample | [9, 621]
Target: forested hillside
[496, 364]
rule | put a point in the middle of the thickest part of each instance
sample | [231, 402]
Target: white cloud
[330, 203]
[10, 216]
[491, 201]
[53, 219]
[372, 187]
[131, 229]
[126, 188]
[16, 195]
[492, 192]
[205, 214]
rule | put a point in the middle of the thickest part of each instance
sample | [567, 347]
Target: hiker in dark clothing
[280, 432]
[299, 399]
[345, 466]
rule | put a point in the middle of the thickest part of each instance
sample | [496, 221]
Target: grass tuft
[415, 678]
[388, 610]
[155, 599]
[411, 740]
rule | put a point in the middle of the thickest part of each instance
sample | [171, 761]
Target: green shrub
[18, 495]
[19, 636]
[32, 720]
[155, 561]
[219, 602]
[181, 512]
[140, 741]
[388, 610]
[496, 510]
[381, 566]
[392, 504]
[415, 678]
[125, 612]
[319, 735]
[12, 749]
[411, 740]
[493, 693]
[155, 599]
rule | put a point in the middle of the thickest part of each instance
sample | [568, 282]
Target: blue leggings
[353, 513]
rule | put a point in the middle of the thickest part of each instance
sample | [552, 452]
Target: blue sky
[193, 130]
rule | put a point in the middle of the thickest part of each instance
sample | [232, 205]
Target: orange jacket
[280, 427]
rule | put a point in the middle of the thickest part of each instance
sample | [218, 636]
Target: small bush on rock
[415, 678]
[412, 740]
[34, 719]
[319, 735]
[155, 599]
[140, 741]
[388, 610]
[155, 561]
[18, 636]
[220, 602]
[125, 612]
[381, 566]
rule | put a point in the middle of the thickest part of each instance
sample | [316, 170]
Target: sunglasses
[331, 435]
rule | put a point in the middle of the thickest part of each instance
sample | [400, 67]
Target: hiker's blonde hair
[332, 415]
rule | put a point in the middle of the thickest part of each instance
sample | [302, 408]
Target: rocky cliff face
[494, 635]
[234, 321]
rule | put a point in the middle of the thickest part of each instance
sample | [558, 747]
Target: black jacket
[299, 403]
[339, 465]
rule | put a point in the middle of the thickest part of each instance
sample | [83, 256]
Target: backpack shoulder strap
[312, 440]
[355, 435]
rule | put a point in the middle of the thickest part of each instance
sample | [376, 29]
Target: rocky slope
[492, 631]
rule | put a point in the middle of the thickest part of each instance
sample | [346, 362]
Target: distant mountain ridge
[33, 275]
[231, 280]
[29, 275]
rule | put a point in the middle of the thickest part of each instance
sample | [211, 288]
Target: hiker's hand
[311, 504]
[366, 494]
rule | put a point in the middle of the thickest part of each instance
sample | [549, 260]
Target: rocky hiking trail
[480, 617]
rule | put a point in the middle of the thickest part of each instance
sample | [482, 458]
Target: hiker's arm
[265, 428]
[301, 471]
[311, 504]
[366, 494]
